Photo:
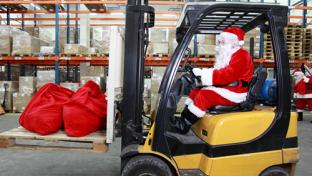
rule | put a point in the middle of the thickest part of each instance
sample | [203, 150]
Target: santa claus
[302, 92]
[225, 84]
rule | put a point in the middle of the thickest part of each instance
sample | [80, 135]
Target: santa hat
[297, 72]
[237, 32]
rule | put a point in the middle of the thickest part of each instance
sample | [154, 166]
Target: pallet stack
[307, 44]
[294, 36]
[255, 34]
[294, 40]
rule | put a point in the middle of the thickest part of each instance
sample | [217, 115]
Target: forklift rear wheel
[146, 165]
[275, 171]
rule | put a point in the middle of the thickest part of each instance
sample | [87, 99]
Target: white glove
[197, 71]
[306, 79]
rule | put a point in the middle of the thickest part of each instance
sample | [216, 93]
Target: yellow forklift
[243, 140]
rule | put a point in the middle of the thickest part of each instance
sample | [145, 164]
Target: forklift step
[20, 138]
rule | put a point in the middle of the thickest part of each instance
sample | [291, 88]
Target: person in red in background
[225, 84]
[302, 92]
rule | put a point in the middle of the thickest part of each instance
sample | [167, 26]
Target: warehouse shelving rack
[53, 7]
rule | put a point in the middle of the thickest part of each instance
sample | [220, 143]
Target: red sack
[43, 113]
[86, 111]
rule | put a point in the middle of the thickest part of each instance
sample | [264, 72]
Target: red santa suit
[235, 66]
[302, 91]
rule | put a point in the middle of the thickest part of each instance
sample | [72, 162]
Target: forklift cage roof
[215, 21]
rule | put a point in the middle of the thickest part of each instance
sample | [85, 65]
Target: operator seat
[254, 91]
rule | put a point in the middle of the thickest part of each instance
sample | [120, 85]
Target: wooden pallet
[206, 56]
[159, 55]
[21, 138]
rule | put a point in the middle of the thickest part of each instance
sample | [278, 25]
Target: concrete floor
[51, 163]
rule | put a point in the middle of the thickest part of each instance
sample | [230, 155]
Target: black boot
[184, 123]
[300, 116]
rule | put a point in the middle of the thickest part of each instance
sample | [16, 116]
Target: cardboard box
[27, 84]
[158, 48]
[206, 50]
[45, 76]
[86, 70]
[75, 49]
[47, 50]
[157, 76]
[158, 35]
[101, 39]
[20, 101]
[5, 44]
[25, 44]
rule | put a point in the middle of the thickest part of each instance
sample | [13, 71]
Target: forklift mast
[136, 40]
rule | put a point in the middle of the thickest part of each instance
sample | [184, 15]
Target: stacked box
[75, 49]
[207, 51]
[47, 50]
[45, 76]
[92, 70]
[93, 50]
[6, 40]
[7, 88]
[97, 79]
[20, 101]
[159, 48]
[27, 85]
[172, 41]
[71, 86]
[24, 44]
[206, 39]
[159, 42]
[157, 76]
[147, 95]
[101, 39]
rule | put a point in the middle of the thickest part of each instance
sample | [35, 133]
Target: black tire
[275, 171]
[146, 165]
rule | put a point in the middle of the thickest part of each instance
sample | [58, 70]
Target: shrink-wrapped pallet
[101, 39]
[206, 50]
[71, 86]
[47, 50]
[161, 48]
[45, 76]
[157, 76]
[20, 101]
[159, 35]
[27, 84]
[6, 40]
[24, 44]
[75, 49]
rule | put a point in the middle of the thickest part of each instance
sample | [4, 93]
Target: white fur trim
[306, 79]
[229, 95]
[229, 35]
[296, 95]
[196, 111]
[188, 101]
[241, 43]
[206, 76]
[300, 110]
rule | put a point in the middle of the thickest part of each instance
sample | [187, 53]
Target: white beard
[224, 56]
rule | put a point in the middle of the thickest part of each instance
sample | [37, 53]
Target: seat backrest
[255, 88]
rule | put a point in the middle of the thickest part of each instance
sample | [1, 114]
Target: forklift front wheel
[275, 171]
[146, 165]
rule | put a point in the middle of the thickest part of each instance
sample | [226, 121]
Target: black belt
[237, 83]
